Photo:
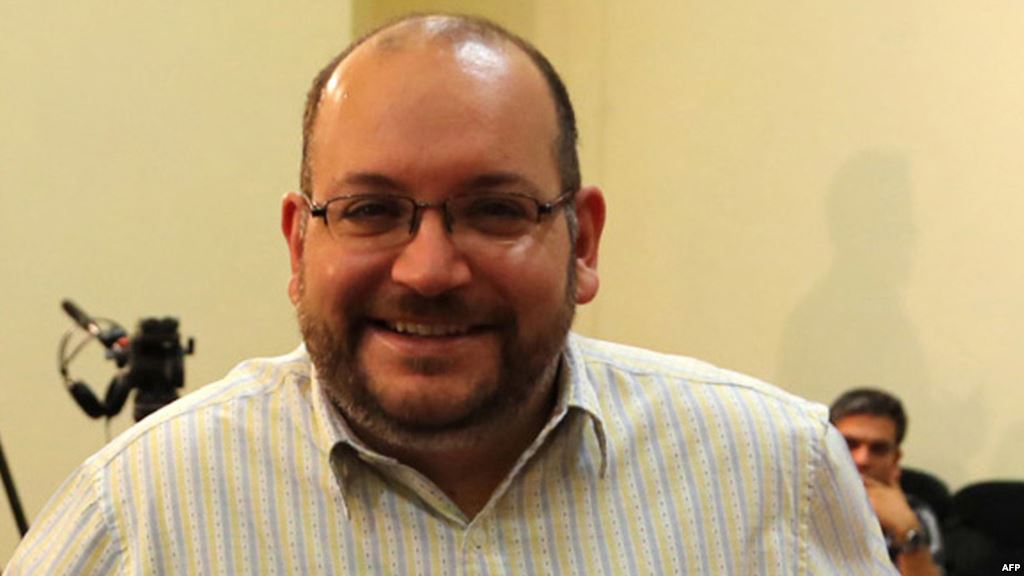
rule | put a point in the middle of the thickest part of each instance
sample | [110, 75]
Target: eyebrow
[372, 180]
[489, 180]
[480, 182]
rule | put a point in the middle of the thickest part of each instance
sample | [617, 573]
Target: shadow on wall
[852, 329]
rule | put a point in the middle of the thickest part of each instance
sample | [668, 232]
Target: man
[440, 418]
[873, 423]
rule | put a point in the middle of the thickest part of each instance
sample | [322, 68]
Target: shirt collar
[579, 393]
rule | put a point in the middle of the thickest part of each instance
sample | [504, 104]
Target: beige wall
[820, 194]
[145, 147]
[823, 195]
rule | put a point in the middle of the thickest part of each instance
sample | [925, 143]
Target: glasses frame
[544, 209]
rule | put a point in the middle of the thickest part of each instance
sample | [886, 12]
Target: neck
[470, 474]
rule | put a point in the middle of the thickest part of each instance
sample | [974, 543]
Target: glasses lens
[497, 215]
[369, 215]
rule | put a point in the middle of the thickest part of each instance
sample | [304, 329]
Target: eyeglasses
[382, 220]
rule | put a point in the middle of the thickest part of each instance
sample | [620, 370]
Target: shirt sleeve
[70, 535]
[931, 527]
[843, 536]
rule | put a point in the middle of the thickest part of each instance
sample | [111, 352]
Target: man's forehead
[455, 75]
[434, 28]
[867, 427]
[423, 103]
[473, 50]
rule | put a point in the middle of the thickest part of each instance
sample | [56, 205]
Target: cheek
[333, 277]
[531, 279]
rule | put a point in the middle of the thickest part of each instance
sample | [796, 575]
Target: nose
[430, 263]
[861, 456]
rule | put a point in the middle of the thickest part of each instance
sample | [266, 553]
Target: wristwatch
[913, 541]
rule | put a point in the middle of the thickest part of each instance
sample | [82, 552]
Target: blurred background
[823, 195]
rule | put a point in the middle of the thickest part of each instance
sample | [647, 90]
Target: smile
[429, 329]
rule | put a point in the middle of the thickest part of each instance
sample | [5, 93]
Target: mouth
[424, 328]
[428, 330]
[421, 338]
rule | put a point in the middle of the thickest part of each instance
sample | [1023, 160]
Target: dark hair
[457, 27]
[870, 401]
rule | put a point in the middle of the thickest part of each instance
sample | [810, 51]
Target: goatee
[527, 367]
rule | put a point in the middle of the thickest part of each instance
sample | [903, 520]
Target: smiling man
[440, 417]
[437, 278]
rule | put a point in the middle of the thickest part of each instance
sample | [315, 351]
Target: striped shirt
[650, 464]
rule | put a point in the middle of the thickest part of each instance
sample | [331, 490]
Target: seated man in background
[874, 425]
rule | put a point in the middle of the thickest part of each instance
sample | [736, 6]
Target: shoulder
[127, 491]
[688, 380]
[243, 388]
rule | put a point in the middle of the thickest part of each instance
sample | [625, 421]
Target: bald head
[479, 46]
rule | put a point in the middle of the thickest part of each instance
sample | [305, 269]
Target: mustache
[452, 307]
[443, 305]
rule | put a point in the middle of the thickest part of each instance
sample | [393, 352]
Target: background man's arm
[898, 519]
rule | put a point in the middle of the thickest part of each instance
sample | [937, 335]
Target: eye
[496, 215]
[880, 448]
[498, 207]
[368, 215]
[369, 208]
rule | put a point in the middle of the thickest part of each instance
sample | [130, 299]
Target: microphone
[114, 339]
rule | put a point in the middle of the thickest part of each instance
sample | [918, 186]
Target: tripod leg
[12, 494]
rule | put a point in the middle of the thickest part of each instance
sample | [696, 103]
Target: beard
[527, 367]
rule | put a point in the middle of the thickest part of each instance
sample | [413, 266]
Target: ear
[292, 207]
[590, 212]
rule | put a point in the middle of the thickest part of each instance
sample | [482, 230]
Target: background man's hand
[891, 507]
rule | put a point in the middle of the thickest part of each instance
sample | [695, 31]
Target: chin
[432, 404]
[413, 426]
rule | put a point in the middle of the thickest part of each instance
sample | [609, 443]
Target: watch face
[913, 541]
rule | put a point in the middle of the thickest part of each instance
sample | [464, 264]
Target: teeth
[429, 329]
